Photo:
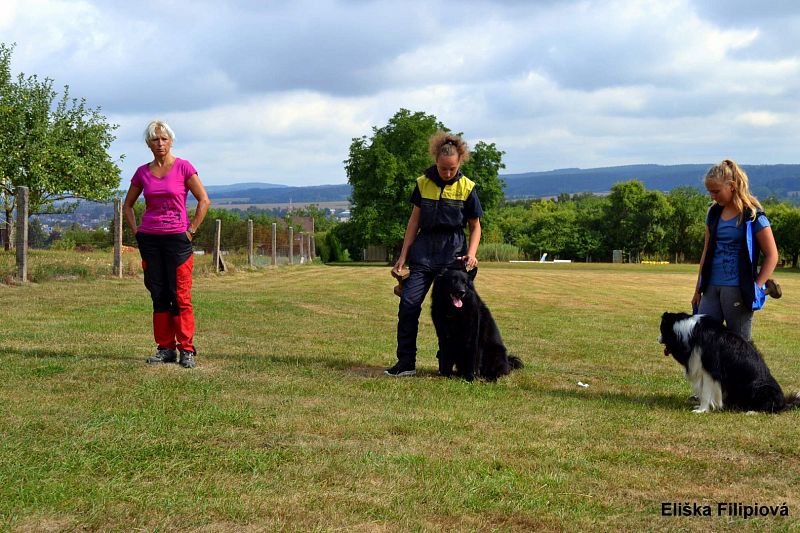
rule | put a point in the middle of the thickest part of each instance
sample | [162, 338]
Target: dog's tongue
[457, 301]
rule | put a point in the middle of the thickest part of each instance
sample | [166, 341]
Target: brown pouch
[401, 278]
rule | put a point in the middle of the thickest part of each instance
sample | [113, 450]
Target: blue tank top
[730, 239]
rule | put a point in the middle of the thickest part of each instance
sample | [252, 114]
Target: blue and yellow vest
[442, 204]
[442, 220]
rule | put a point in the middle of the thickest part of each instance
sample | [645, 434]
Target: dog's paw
[700, 410]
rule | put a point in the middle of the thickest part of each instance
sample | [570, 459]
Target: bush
[64, 243]
[329, 249]
[498, 252]
[351, 241]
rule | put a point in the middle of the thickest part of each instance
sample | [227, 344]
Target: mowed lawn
[289, 424]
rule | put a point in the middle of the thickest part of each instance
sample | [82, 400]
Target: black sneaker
[773, 289]
[187, 359]
[163, 355]
[401, 370]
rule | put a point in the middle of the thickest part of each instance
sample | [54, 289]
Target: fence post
[313, 247]
[250, 242]
[291, 245]
[274, 244]
[215, 256]
[118, 237]
[308, 247]
[302, 252]
[22, 234]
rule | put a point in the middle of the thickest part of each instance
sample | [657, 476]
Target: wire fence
[254, 244]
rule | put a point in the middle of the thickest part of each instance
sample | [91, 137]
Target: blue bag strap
[760, 298]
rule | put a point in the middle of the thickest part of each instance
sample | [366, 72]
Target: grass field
[288, 423]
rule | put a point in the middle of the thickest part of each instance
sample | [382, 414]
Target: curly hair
[727, 171]
[444, 143]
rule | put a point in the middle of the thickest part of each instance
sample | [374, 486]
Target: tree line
[642, 223]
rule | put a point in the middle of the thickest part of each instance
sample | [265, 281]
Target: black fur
[733, 363]
[468, 335]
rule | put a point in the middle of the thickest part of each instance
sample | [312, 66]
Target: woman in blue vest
[445, 203]
[730, 284]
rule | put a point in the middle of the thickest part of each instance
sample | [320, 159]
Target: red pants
[167, 263]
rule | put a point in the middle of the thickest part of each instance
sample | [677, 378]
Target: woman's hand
[398, 266]
[696, 299]
[189, 235]
[470, 261]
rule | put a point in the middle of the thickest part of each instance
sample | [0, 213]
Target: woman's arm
[766, 240]
[127, 207]
[696, 296]
[411, 234]
[203, 203]
[471, 259]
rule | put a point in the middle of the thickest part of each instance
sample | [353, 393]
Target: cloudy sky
[275, 91]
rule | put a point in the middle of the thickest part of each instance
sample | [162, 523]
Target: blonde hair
[444, 143]
[727, 171]
[152, 129]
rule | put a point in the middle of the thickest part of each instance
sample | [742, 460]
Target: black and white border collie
[724, 370]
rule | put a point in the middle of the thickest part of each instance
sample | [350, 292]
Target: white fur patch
[683, 328]
[703, 385]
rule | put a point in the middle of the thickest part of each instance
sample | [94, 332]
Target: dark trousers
[167, 262]
[415, 288]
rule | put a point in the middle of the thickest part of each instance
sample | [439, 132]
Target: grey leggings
[725, 304]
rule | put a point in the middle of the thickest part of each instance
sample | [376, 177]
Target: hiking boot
[187, 359]
[401, 370]
[773, 290]
[163, 355]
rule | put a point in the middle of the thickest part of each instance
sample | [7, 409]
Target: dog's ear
[472, 273]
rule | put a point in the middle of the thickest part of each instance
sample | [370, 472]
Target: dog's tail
[792, 401]
[514, 362]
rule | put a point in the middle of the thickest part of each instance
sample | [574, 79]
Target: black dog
[724, 369]
[468, 335]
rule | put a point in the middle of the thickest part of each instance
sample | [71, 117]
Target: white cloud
[7, 14]
[276, 91]
[759, 118]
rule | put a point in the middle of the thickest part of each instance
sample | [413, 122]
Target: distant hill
[228, 189]
[782, 181]
[765, 180]
[283, 194]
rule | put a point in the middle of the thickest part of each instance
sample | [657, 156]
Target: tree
[637, 218]
[785, 222]
[686, 229]
[37, 236]
[58, 148]
[483, 167]
[590, 226]
[382, 171]
[323, 221]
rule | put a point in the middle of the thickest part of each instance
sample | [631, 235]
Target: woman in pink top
[165, 242]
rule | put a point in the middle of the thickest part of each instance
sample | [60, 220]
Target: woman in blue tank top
[737, 234]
